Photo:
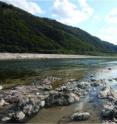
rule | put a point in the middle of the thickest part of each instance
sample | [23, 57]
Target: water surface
[26, 71]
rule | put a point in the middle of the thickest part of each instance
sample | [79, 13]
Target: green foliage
[23, 32]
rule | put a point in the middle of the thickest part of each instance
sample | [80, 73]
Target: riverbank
[67, 101]
[75, 101]
[5, 56]
[21, 103]
[99, 102]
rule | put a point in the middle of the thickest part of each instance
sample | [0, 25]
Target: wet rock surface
[109, 110]
[22, 102]
[83, 116]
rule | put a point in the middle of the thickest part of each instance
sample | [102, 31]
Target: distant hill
[22, 32]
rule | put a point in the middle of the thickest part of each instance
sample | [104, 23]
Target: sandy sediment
[4, 56]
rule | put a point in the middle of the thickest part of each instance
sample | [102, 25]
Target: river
[15, 72]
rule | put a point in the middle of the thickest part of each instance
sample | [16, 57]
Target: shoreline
[8, 56]
[32, 103]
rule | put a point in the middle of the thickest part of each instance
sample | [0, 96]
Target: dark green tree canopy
[22, 32]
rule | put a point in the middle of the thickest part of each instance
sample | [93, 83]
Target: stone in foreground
[80, 116]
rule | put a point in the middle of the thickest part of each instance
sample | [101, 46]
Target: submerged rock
[80, 116]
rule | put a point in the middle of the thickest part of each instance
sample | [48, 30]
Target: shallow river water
[25, 71]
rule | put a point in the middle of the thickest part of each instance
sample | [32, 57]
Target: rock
[30, 105]
[109, 106]
[2, 102]
[64, 89]
[12, 99]
[61, 99]
[105, 92]
[115, 120]
[71, 80]
[26, 101]
[109, 69]
[80, 116]
[108, 93]
[42, 103]
[108, 122]
[1, 87]
[5, 119]
[20, 115]
[94, 84]
[73, 96]
[114, 94]
[107, 114]
[71, 100]
[83, 85]
[110, 112]
[109, 79]
[111, 98]
[37, 93]
[93, 79]
[22, 102]
[11, 114]
[27, 109]
[53, 92]
[47, 87]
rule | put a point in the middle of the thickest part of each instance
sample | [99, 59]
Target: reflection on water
[19, 68]
[14, 71]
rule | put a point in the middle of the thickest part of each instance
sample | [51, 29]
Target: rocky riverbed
[23, 102]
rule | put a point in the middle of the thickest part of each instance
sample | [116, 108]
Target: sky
[98, 17]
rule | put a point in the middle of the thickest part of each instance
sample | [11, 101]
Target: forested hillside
[22, 32]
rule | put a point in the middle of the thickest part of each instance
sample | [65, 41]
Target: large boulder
[30, 105]
[61, 99]
[80, 116]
